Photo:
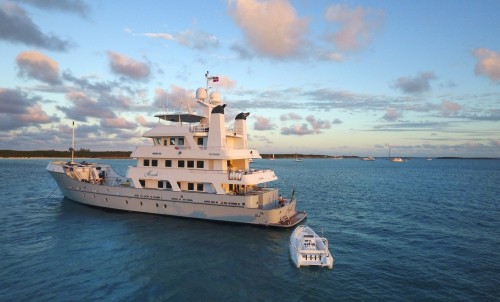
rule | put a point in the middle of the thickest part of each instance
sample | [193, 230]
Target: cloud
[263, 123]
[297, 130]
[84, 107]
[14, 101]
[290, 116]
[117, 122]
[356, 26]
[143, 122]
[128, 67]
[271, 28]
[488, 63]
[176, 100]
[415, 85]
[392, 114]
[16, 26]
[71, 6]
[337, 121]
[450, 108]
[36, 65]
[318, 125]
[17, 110]
[195, 39]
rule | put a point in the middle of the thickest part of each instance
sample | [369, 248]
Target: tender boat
[308, 249]
[195, 168]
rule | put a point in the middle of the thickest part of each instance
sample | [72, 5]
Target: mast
[73, 144]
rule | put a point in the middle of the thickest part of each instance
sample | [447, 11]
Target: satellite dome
[201, 94]
[215, 98]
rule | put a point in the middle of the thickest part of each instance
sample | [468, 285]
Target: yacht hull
[226, 208]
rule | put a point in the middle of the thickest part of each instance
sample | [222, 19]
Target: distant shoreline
[87, 154]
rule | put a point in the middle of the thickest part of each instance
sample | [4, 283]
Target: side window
[190, 163]
[160, 184]
[200, 164]
[146, 163]
[199, 187]
[200, 141]
[181, 141]
[168, 163]
[190, 186]
[142, 182]
[180, 164]
[172, 140]
[169, 186]
[154, 162]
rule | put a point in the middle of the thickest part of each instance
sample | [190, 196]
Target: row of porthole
[126, 202]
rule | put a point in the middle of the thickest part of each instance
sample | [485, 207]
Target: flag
[215, 79]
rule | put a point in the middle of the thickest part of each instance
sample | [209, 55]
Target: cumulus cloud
[199, 40]
[488, 63]
[143, 122]
[392, 114]
[271, 28]
[450, 108]
[290, 116]
[117, 122]
[71, 6]
[128, 67]
[263, 123]
[14, 101]
[16, 26]
[85, 106]
[36, 65]
[297, 130]
[337, 121]
[177, 99]
[18, 110]
[318, 125]
[356, 26]
[415, 85]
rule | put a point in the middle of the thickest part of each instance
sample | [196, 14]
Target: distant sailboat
[395, 159]
[297, 159]
[272, 158]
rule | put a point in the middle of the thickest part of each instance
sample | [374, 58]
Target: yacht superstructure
[195, 168]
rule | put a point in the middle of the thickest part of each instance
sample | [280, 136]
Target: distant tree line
[81, 153]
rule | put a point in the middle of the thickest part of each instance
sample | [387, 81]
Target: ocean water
[418, 231]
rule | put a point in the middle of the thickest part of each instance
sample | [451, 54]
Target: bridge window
[190, 163]
[190, 186]
[181, 141]
[200, 164]
[154, 162]
[199, 187]
[180, 164]
[146, 163]
[200, 141]
[160, 184]
[142, 182]
[168, 163]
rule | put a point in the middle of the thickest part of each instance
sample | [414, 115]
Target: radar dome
[215, 98]
[201, 94]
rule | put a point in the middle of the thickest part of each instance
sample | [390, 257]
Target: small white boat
[397, 160]
[370, 158]
[307, 248]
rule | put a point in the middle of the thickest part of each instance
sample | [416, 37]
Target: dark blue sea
[418, 231]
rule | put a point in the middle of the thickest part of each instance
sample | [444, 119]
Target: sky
[421, 78]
